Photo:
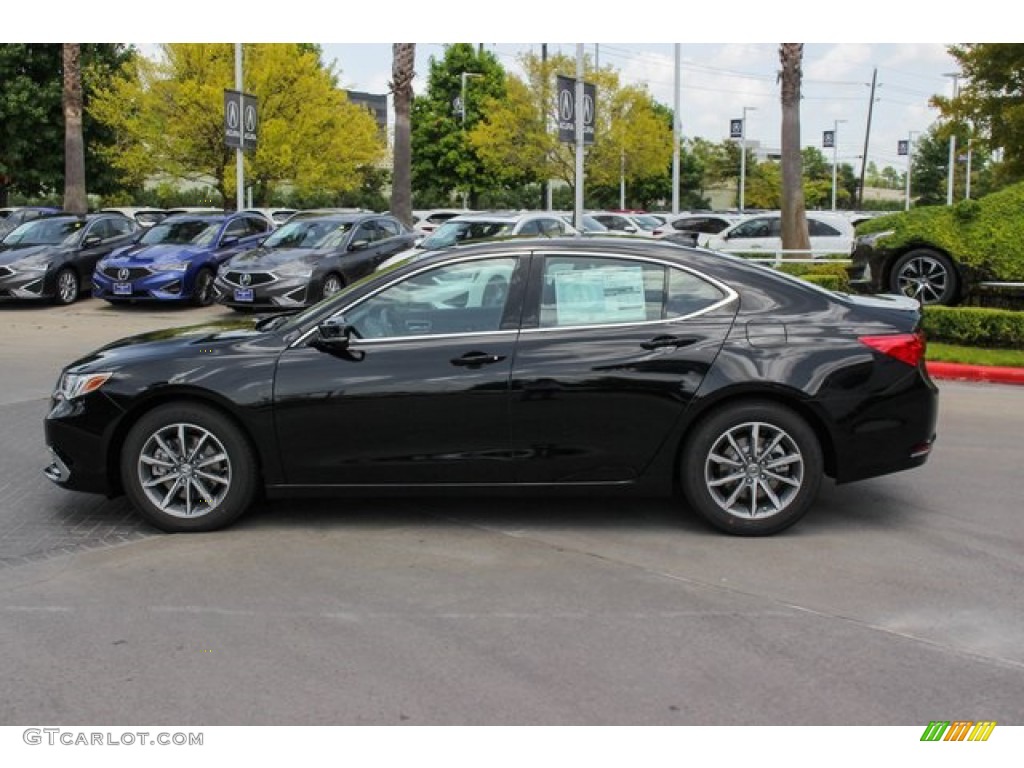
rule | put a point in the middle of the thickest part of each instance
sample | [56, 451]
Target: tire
[66, 287]
[925, 275]
[331, 285]
[202, 291]
[201, 492]
[717, 479]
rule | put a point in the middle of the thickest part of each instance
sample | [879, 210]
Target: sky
[727, 60]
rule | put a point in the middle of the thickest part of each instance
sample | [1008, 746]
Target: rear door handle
[668, 341]
[476, 359]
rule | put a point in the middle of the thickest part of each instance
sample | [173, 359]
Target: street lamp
[952, 141]
[462, 102]
[743, 156]
[910, 164]
[835, 158]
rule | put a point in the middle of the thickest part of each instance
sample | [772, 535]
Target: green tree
[445, 162]
[514, 141]
[168, 116]
[32, 117]
[991, 101]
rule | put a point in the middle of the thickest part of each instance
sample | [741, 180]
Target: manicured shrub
[975, 326]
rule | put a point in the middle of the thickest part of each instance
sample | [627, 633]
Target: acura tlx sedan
[543, 366]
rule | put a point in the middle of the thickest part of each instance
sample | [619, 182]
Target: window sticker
[608, 295]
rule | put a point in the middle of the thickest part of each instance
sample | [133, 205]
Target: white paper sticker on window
[608, 295]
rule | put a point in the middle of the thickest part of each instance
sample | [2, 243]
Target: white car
[641, 224]
[688, 227]
[142, 215]
[830, 233]
[429, 220]
[474, 227]
[276, 216]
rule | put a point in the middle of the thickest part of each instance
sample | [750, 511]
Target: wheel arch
[165, 397]
[791, 399]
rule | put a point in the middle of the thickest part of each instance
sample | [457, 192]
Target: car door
[240, 234]
[420, 396]
[755, 235]
[611, 353]
[393, 239]
[363, 252]
[827, 239]
[100, 238]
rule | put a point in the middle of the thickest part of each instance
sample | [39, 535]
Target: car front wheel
[925, 275]
[187, 467]
[752, 469]
[68, 286]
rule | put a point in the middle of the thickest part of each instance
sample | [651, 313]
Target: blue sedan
[177, 259]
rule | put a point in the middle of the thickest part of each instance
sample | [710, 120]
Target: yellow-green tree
[169, 117]
[512, 139]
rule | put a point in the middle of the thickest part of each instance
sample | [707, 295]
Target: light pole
[743, 156]
[910, 165]
[462, 97]
[835, 158]
[952, 141]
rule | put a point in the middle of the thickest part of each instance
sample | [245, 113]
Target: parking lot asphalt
[895, 599]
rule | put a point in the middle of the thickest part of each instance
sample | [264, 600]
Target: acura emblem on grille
[123, 274]
[245, 279]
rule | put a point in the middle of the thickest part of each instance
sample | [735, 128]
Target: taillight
[905, 347]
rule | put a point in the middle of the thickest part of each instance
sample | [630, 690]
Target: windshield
[194, 232]
[454, 232]
[46, 232]
[309, 233]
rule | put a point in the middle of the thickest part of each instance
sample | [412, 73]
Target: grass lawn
[952, 353]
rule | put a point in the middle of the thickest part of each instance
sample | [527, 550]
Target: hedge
[987, 234]
[975, 326]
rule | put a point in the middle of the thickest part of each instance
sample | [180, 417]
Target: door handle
[668, 341]
[476, 359]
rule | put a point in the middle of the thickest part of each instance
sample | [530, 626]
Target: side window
[530, 228]
[237, 228]
[100, 229]
[816, 228]
[388, 228]
[256, 225]
[776, 228]
[551, 227]
[752, 228]
[119, 228]
[688, 293]
[364, 233]
[468, 297]
[585, 290]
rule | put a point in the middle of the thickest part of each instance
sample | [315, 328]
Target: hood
[267, 258]
[12, 253]
[136, 255]
[189, 341]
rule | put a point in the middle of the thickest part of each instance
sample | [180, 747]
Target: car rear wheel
[752, 469]
[68, 286]
[187, 467]
[332, 284]
[203, 293]
[925, 275]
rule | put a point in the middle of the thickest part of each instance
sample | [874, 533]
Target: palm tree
[403, 59]
[794, 218]
[74, 145]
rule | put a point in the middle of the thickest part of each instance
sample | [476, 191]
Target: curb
[961, 372]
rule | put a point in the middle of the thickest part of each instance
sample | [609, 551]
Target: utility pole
[952, 142]
[867, 138]
[910, 165]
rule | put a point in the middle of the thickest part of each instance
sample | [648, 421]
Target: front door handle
[668, 341]
[476, 359]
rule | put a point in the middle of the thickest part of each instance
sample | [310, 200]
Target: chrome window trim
[730, 296]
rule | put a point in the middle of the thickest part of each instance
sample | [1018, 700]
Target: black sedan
[53, 257]
[606, 365]
[309, 258]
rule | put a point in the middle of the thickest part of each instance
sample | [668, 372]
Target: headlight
[37, 263]
[72, 385]
[170, 266]
[295, 269]
[872, 237]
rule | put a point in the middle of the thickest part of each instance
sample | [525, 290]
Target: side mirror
[630, 229]
[91, 240]
[334, 336]
[357, 245]
[228, 240]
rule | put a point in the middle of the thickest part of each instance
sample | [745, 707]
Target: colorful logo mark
[958, 730]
